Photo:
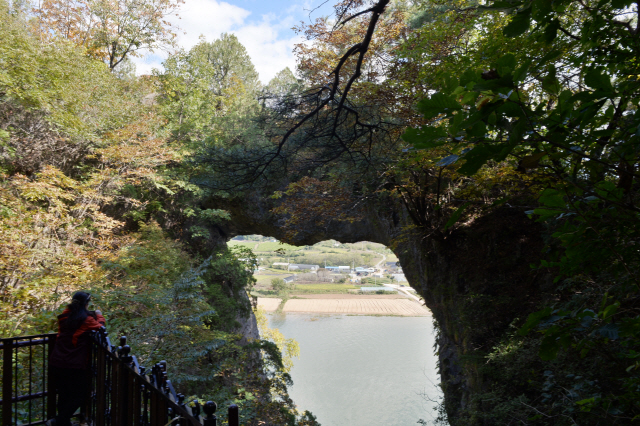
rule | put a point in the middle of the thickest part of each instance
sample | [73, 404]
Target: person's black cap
[81, 297]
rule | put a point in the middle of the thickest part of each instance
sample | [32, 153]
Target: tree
[321, 124]
[529, 105]
[283, 83]
[227, 58]
[281, 286]
[210, 92]
[110, 30]
[288, 347]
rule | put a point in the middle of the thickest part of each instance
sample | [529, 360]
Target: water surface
[363, 370]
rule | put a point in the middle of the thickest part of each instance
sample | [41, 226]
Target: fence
[123, 393]
[28, 396]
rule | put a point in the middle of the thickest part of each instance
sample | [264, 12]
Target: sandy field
[348, 304]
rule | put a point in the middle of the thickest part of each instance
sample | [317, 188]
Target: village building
[302, 267]
[399, 278]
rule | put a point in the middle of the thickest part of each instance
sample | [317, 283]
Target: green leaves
[519, 23]
[579, 329]
[551, 31]
[477, 157]
[438, 103]
[208, 94]
[425, 137]
[549, 348]
[550, 83]
[561, 94]
[594, 77]
[75, 94]
[456, 215]
[533, 320]
[553, 202]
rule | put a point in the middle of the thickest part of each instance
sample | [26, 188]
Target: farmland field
[271, 247]
[247, 244]
[265, 280]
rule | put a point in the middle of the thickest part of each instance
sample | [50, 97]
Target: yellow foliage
[288, 347]
[53, 232]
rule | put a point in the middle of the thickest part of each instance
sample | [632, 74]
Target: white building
[399, 277]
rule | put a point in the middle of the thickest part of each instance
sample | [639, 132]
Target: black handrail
[123, 393]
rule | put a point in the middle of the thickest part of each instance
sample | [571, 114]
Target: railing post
[196, 409]
[209, 408]
[51, 386]
[7, 381]
[234, 415]
[101, 378]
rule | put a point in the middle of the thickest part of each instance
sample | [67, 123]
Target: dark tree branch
[359, 49]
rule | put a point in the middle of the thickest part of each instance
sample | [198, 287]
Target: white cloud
[269, 52]
[268, 39]
[209, 18]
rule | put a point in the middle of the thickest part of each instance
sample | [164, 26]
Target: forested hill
[493, 145]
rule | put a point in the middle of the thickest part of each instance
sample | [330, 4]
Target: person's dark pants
[72, 385]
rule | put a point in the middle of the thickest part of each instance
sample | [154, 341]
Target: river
[363, 370]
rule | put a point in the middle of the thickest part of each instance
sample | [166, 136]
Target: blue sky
[262, 26]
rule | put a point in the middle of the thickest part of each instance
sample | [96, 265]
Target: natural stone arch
[476, 278]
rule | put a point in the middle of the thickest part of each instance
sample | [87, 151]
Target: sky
[264, 27]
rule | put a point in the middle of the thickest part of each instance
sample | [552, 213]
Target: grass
[247, 244]
[271, 247]
[266, 279]
[378, 292]
[265, 293]
[376, 281]
[391, 258]
[277, 271]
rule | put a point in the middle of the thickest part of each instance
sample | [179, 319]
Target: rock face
[248, 329]
[475, 278]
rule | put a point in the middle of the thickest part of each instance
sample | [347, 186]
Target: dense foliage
[96, 195]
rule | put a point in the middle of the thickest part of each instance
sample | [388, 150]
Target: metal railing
[123, 393]
[28, 396]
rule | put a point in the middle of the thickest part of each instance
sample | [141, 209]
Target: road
[405, 291]
[396, 286]
[384, 257]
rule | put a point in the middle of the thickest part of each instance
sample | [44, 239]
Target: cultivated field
[246, 244]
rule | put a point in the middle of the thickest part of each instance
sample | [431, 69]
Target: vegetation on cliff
[96, 195]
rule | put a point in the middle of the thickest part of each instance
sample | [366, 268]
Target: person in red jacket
[69, 360]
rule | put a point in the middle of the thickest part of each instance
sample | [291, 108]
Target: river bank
[354, 304]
